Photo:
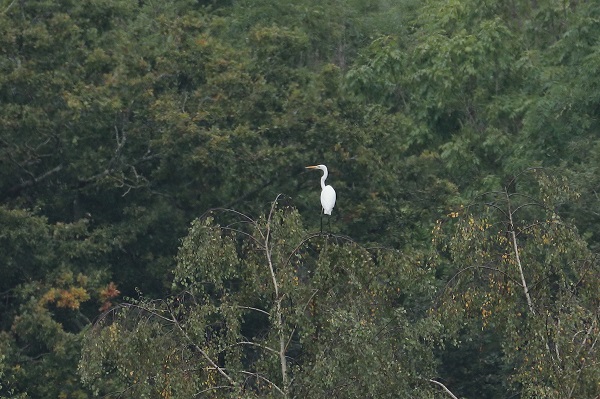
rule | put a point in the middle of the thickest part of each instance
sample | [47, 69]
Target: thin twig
[33, 180]
[213, 389]
[256, 309]
[303, 310]
[202, 352]
[443, 387]
[9, 7]
[266, 380]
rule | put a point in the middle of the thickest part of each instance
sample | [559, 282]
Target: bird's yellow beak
[311, 167]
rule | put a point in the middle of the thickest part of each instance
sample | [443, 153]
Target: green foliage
[53, 284]
[527, 279]
[267, 310]
[122, 121]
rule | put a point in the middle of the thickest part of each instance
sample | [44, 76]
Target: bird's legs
[321, 224]
[328, 224]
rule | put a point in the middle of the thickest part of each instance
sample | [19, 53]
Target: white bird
[327, 192]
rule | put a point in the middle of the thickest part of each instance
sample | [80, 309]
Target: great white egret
[327, 193]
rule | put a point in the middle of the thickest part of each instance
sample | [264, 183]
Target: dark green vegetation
[462, 138]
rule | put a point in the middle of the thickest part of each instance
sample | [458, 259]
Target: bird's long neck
[323, 178]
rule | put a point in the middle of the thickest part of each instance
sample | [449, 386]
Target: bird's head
[322, 167]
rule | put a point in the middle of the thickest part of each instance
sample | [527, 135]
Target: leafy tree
[266, 310]
[559, 129]
[526, 280]
[52, 285]
[458, 79]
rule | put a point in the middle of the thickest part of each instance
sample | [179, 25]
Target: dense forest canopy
[159, 236]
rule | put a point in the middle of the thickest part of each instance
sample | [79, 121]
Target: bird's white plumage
[327, 192]
[328, 199]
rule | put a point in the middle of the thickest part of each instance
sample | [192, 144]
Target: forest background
[159, 235]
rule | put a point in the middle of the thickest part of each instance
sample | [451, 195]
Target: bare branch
[458, 273]
[515, 246]
[266, 380]
[257, 345]
[247, 218]
[229, 210]
[299, 245]
[256, 309]
[583, 365]
[243, 233]
[313, 235]
[278, 299]
[443, 387]
[528, 204]
[212, 389]
[205, 355]
[303, 310]
[9, 7]
[28, 183]
[497, 207]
